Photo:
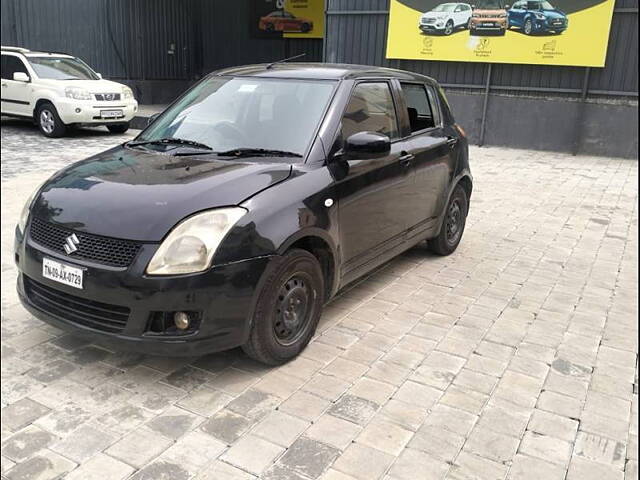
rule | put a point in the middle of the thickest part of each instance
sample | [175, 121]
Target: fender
[454, 183]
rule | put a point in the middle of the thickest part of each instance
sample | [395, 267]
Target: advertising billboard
[546, 32]
[288, 18]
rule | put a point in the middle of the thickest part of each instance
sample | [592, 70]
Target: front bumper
[224, 296]
[549, 26]
[488, 24]
[90, 111]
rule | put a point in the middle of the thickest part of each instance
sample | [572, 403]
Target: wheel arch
[319, 244]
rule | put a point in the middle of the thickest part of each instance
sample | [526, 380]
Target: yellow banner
[553, 32]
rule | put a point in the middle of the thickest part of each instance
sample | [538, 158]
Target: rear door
[434, 158]
[373, 193]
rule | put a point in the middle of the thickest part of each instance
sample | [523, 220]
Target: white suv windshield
[227, 113]
[62, 68]
[445, 7]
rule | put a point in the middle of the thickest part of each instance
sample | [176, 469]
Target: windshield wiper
[252, 152]
[171, 141]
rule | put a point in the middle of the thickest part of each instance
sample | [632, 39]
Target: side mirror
[99, 75]
[152, 118]
[367, 145]
[21, 77]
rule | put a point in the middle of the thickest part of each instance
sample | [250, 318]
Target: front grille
[428, 21]
[97, 315]
[485, 15]
[107, 251]
[107, 97]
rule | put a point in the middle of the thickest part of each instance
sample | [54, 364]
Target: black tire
[453, 223]
[49, 121]
[305, 28]
[270, 27]
[288, 309]
[118, 127]
[449, 28]
[472, 31]
[528, 27]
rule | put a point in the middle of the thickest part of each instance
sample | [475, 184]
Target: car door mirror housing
[367, 145]
[21, 77]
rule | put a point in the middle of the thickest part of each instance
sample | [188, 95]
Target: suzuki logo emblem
[108, 96]
[71, 244]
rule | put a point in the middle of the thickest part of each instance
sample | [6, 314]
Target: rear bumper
[223, 296]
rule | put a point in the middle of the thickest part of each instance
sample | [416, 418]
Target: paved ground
[516, 357]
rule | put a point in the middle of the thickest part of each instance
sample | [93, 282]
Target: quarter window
[421, 114]
[370, 109]
[11, 65]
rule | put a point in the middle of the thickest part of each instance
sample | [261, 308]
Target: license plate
[62, 273]
[111, 113]
[487, 24]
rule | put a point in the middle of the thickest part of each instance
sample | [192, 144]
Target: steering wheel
[230, 133]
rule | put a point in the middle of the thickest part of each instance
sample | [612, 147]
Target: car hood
[493, 13]
[139, 195]
[553, 13]
[93, 86]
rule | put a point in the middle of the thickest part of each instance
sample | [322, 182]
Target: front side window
[10, 65]
[227, 113]
[418, 107]
[62, 68]
[370, 109]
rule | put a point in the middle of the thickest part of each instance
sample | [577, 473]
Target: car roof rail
[8, 48]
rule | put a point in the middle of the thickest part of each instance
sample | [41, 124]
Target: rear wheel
[452, 225]
[305, 28]
[288, 309]
[49, 121]
[118, 127]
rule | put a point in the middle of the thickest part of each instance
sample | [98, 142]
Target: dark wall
[159, 47]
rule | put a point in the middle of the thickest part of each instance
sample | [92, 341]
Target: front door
[372, 194]
[434, 159]
[16, 96]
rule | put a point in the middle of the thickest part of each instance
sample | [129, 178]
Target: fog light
[78, 110]
[181, 319]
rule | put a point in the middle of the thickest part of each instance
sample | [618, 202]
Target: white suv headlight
[77, 93]
[127, 92]
[190, 246]
[24, 214]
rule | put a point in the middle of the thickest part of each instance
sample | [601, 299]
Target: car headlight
[26, 209]
[190, 246]
[127, 92]
[539, 16]
[77, 93]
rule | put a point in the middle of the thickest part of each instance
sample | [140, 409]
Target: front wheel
[448, 29]
[452, 225]
[528, 27]
[49, 121]
[118, 127]
[288, 309]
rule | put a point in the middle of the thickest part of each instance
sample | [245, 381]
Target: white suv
[58, 90]
[445, 18]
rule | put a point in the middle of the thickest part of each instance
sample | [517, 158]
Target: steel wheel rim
[448, 29]
[294, 307]
[454, 222]
[47, 122]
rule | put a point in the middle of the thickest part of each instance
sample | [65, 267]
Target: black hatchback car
[243, 208]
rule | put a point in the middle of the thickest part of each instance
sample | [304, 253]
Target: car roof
[320, 71]
[33, 53]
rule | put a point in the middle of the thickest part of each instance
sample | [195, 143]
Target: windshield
[489, 5]
[227, 113]
[445, 7]
[62, 68]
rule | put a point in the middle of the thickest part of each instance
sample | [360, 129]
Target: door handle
[452, 141]
[405, 158]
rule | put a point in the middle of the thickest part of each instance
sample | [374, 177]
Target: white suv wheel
[47, 121]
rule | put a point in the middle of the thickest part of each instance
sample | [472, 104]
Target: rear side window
[10, 65]
[370, 109]
[421, 106]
